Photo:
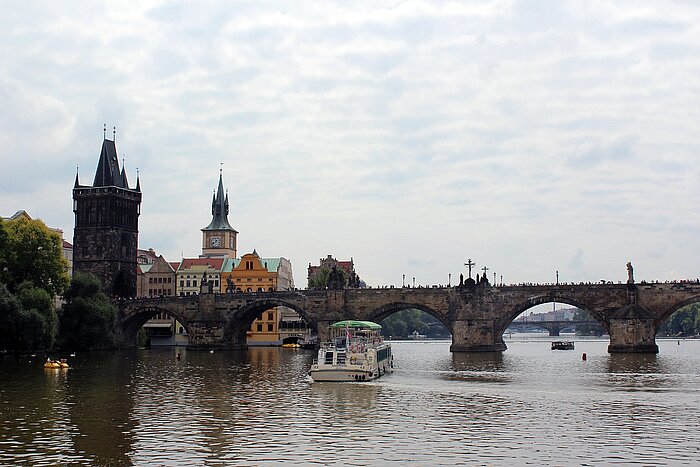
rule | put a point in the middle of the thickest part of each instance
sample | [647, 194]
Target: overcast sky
[529, 136]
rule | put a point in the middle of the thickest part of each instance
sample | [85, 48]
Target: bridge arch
[389, 309]
[543, 299]
[238, 323]
[139, 316]
[666, 314]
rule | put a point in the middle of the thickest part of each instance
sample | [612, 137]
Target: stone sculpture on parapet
[229, 285]
[630, 273]
[335, 279]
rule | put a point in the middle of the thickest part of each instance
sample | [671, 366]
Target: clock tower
[219, 238]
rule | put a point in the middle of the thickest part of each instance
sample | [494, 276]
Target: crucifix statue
[484, 269]
[470, 264]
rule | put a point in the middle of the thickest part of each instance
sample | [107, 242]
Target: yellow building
[251, 273]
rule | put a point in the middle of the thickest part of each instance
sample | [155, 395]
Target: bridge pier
[632, 330]
[554, 331]
[632, 336]
[476, 335]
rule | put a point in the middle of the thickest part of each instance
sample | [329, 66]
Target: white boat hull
[361, 356]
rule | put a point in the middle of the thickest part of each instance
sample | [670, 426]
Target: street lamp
[403, 281]
[557, 277]
[449, 279]
[414, 282]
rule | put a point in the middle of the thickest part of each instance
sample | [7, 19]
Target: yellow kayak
[56, 364]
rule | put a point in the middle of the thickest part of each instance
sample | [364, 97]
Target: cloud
[508, 131]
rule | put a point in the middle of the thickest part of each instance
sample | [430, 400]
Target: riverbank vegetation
[33, 278]
[683, 323]
[32, 273]
[406, 322]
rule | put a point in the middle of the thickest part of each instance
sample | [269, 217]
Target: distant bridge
[476, 315]
[554, 327]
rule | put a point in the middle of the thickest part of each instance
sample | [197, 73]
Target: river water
[526, 406]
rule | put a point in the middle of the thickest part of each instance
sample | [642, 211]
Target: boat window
[329, 358]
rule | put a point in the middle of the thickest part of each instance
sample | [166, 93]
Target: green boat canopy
[351, 323]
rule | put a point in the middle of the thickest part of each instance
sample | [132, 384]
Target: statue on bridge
[229, 285]
[630, 273]
[335, 279]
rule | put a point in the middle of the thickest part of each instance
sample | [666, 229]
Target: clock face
[215, 241]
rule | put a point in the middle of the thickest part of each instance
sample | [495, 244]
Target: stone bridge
[554, 327]
[476, 316]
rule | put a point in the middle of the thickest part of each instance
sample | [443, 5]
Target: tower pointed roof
[219, 209]
[124, 181]
[108, 173]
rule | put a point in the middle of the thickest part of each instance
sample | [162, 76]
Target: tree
[320, 280]
[88, 319]
[683, 322]
[405, 322]
[27, 319]
[31, 252]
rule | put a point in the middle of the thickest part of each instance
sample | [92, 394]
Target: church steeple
[219, 209]
[219, 238]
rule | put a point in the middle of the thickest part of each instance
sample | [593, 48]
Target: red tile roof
[214, 263]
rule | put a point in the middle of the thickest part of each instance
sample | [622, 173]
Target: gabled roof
[272, 264]
[20, 213]
[174, 265]
[161, 265]
[214, 263]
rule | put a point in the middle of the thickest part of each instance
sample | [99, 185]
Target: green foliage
[27, 319]
[88, 319]
[320, 280]
[405, 322]
[684, 322]
[31, 252]
[586, 329]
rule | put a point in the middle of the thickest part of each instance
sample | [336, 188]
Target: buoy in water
[583, 356]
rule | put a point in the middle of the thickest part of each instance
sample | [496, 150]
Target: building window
[188, 283]
[259, 327]
[150, 280]
[269, 317]
[269, 327]
[182, 283]
[194, 283]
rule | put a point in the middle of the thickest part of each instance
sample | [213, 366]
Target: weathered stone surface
[476, 316]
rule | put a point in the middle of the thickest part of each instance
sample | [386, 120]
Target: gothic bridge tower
[105, 237]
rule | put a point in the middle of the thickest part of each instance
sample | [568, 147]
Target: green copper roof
[353, 324]
[271, 263]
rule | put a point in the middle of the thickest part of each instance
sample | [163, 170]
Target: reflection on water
[526, 405]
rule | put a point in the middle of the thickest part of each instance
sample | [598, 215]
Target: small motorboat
[563, 345]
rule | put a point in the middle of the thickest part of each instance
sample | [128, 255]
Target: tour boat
[563, 345]
[355, 352]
